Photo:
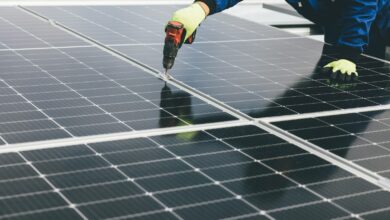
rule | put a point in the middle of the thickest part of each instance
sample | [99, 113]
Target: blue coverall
[355, 26]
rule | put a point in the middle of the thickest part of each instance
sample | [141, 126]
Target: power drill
[175, 34]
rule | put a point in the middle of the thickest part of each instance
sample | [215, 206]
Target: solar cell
[152, 177]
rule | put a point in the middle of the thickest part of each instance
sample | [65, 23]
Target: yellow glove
[345, 69]
[190, 17]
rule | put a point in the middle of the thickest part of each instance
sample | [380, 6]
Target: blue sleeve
[356, 23]
[221, 5]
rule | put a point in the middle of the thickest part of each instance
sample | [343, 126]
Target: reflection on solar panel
[271, 78]
[58, 86]
[359, 137]
[264, 77]
[230, 172]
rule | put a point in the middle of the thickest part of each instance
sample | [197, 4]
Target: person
[351, 26]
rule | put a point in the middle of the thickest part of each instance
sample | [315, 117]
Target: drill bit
[165, 75]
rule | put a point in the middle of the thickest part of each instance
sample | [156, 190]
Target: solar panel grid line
[334, 159]
[45, 48]
[71, 205]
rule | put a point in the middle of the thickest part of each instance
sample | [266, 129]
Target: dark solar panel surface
[222, 173]
[360, 137]
[59, 93]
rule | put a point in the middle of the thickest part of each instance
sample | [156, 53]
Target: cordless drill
[175, 34]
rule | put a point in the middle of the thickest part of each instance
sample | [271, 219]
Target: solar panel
[205, 174]
[359, 137]
[145, 24]
[55, 88]
[261, 77]
[20, 30]
[60, 93]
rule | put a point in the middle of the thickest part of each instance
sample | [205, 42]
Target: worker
[352, 26]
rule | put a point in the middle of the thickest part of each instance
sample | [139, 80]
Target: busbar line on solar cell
[210, 187]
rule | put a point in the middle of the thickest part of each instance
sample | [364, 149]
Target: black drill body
[175, 34]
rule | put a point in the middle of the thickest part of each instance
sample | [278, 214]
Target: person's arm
[356, 22]
[355, 27]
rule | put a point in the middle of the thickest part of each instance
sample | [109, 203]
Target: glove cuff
[210, 3]
[348, 53]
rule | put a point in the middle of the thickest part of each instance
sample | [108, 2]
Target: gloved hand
[343, 70]
[190, 17]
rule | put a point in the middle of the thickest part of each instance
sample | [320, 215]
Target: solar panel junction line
[116, 136]
[357, 170]
[46, 48]
[323, 113]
